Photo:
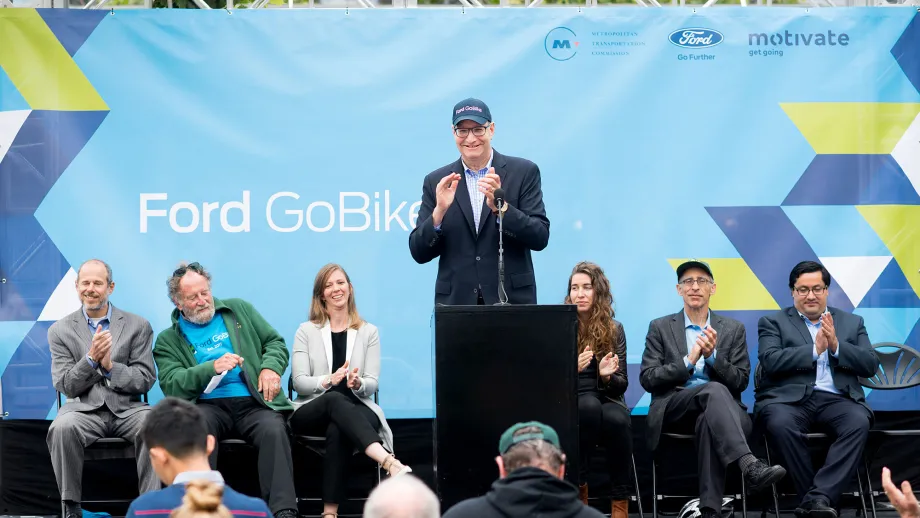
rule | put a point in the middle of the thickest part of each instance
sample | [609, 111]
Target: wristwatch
[503, 210]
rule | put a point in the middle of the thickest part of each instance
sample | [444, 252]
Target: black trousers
[604, 422]
[786, 426]
[347, 424]
[265, 429]
[720, 427]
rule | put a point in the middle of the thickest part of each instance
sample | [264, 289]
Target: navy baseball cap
[693, 263]
[472, 110]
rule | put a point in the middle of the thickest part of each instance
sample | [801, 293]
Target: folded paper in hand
[215, 381]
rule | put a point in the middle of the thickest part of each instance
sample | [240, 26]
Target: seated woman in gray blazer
[337, 403]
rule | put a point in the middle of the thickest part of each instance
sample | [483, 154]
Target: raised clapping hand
[487, 186]
[609, 365]
[584, 359]
[444, 196]
[354, 381]
[101, 345]
[338, 375]
[707, 342]
[829, 332]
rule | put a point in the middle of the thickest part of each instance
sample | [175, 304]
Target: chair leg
[772, 486]
[654, 490]
[869, 485]
[743, 498]
[63, 509]
[862, 494]
[636, 481]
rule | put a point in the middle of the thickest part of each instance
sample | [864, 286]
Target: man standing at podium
[695, 366]
[458, 219]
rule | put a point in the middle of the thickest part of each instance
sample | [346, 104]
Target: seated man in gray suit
[810, 358]
[101, 361]
[695, 366]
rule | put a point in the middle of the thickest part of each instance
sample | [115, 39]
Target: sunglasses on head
[182, 270]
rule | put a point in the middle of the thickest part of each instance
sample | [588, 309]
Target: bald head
[98, 263]
[402, 497]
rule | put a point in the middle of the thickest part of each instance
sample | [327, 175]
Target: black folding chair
[899, 368]
[317, 444]
[106, 448]
[656, 496]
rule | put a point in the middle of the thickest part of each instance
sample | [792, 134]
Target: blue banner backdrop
[265, 144]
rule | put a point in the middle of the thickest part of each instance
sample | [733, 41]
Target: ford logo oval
[696, 38]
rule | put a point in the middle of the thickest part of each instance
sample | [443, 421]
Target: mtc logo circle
[560, 44]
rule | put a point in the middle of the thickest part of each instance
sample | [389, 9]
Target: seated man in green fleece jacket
[250, 355]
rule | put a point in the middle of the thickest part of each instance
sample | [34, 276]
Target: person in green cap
[531, 467]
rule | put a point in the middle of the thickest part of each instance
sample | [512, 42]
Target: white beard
[201, 318]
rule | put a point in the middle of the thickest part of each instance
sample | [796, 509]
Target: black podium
[495, 366]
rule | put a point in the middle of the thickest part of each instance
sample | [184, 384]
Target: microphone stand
[502, 295]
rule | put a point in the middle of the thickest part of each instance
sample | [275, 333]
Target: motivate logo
[560, 44]
[796, 39]
[696, 38]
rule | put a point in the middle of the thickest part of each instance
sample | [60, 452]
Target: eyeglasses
[478, 131]
[803, 290]
[687, 283]
[195, 267]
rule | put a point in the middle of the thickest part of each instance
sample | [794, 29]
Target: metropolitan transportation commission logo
[560, 44]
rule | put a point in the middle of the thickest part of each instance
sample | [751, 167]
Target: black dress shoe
[72, 510]
[817, 508]
[706, 512]
[758, 475]
[287, 513]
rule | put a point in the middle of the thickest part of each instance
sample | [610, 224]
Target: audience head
[333, 293]
[695, 284]
[202, 499]
[589, 290]
[94, 284]
[404, 496]
[176, 434]
[532, 444]
[473, 131]
[809, 282]
[190, 290]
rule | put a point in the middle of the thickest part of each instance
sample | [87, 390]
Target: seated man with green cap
[531, 467]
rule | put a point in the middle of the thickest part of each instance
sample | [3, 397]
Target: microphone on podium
[499, 196]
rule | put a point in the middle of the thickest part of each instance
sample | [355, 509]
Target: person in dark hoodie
[531, 467]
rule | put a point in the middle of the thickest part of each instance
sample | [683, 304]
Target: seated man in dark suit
[696, 365]
[810, 358]
[457, 220]
[177, 436]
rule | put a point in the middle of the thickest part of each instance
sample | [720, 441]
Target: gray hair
[108, 269]
[172, 284]
[404, 496]
[535, 453]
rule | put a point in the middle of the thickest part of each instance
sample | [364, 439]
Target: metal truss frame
[471, 4]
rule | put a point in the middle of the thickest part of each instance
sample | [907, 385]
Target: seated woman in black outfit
[335, 368]
[603, 415]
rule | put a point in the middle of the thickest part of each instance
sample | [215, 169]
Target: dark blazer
[787, 366]
[663, 371]
[469, 261]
